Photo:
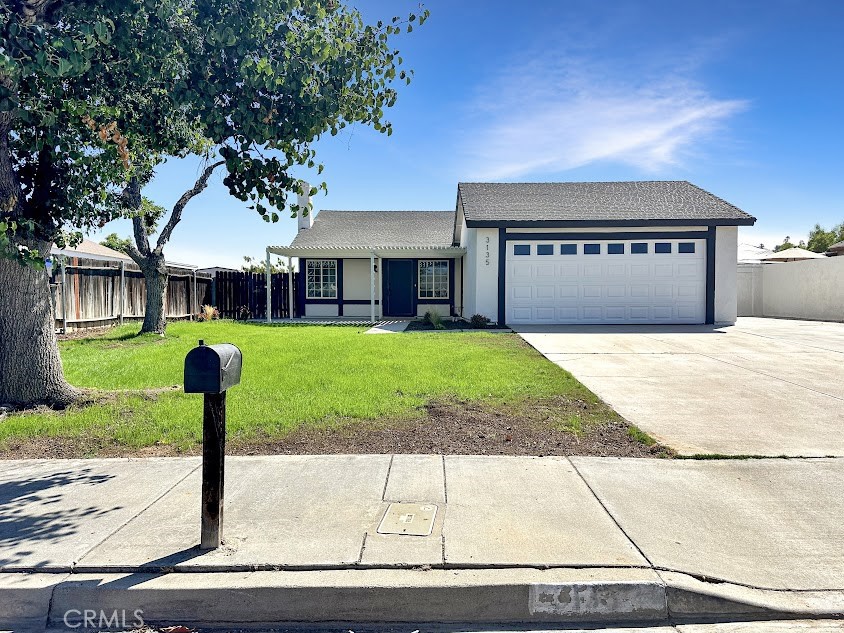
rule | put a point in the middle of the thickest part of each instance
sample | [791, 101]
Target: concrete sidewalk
[514, 539]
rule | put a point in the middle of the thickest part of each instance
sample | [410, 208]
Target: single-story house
[836, 249]
[522, 253]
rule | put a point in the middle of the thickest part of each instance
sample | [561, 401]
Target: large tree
[95, 93]
[80, 89]
[820, 239]
[276, 75]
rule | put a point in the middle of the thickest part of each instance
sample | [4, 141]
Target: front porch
[356, 285]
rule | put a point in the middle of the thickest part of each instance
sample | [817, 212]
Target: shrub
[244, 313]
[433, 317]
[208, 313]
[479, 321]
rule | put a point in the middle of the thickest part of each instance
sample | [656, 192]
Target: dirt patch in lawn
[539, 427]
[551, 426]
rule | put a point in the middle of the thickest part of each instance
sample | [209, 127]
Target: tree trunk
[155, 277]
[30, 366]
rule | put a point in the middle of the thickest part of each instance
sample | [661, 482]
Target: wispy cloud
[545, 116]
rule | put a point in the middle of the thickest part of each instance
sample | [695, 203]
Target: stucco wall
[320, 310]
[812, 289]
[356, 279]
[486, 273]
[467, 241]
[726, 258]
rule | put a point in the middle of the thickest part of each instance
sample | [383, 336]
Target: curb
[30, 602]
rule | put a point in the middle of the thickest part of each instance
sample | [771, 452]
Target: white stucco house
[529, 253]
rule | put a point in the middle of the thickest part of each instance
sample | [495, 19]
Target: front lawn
[295, 379]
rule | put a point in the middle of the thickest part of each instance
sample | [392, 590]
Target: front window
[322, 279]
[433, 279]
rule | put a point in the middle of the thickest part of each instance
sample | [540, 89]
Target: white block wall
[812, 289]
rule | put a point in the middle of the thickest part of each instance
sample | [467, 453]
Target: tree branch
[133, 252]
[176, 215]
[132, 200]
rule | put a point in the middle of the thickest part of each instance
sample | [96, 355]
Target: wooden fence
[87, 293]
[240, 295]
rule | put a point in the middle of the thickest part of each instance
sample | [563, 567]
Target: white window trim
[308, 295]
[419, 296]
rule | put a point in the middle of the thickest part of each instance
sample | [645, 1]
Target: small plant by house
[479, 321]
[244, 313]
[208, 313]
[433, 318]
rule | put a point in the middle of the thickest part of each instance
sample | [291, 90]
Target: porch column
[269, 274]
[290, 293]
[372, 287]
[379, 287]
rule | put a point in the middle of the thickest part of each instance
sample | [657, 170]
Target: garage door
[629, 281]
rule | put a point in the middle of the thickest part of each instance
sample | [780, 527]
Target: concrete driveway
[760, 387]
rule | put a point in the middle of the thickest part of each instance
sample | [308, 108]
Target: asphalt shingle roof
[378, 229]
[582, 202]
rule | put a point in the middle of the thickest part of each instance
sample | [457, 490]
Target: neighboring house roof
[838, 247]
[595, 203]
[377, 229]
[216, 269]
[91, 250]
[747, 253]
[792, 254]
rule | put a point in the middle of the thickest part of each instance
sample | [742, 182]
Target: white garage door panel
[623, 288]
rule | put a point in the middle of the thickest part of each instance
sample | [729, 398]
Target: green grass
[640, 436]
[291, 376]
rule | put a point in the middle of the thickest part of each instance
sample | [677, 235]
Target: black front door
[399, 287]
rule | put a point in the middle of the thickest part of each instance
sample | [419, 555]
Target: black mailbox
[212, 368]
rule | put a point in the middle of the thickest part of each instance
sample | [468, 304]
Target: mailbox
[212, 368]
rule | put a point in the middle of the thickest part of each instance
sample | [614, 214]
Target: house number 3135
[486, 260]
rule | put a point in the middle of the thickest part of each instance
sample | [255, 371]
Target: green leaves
[107, 89]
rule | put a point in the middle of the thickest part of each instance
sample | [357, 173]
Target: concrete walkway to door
[760, 387]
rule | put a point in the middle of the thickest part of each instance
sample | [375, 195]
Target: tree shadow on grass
[45, 509]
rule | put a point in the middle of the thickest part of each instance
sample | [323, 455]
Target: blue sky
[745, 99]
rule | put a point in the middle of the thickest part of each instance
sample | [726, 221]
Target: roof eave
[353, 252]
[477, 224]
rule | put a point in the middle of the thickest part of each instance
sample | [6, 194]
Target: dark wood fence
[91, 293]
[240, 295]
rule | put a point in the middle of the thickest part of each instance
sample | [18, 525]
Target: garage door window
[545, 249]
[687, 247]
[433, 279]
[615, 249]
[521, 249]
[662, 247]
[591, 249]
[639, 248]
[568, 249]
